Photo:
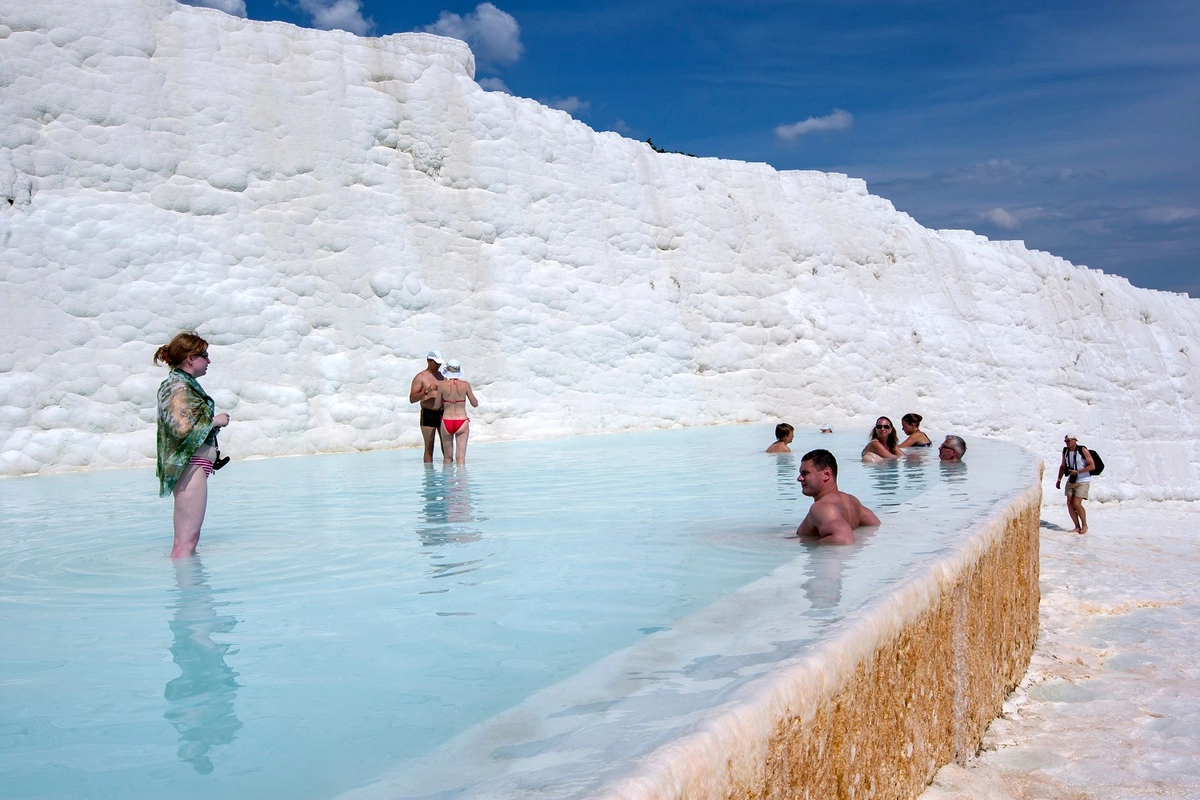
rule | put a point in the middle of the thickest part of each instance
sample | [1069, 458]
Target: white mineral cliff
[325, 208]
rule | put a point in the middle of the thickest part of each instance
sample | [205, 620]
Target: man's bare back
[834, 514]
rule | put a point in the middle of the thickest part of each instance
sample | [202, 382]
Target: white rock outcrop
[325, 208]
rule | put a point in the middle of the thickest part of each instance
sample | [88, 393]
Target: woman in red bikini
[453, 394]
[187, 436]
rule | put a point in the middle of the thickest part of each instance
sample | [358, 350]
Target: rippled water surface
[348, 612]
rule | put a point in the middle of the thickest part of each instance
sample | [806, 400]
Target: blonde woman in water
[454, 392]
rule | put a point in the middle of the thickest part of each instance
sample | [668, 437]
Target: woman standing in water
[187, 436]
[911, 423]
[453, 393]
[882, 446]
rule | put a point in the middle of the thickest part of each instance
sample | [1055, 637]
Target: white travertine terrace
[326, 208]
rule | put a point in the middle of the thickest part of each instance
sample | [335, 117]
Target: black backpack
[1097, 461]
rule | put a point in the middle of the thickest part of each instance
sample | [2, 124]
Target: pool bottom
[870, 706]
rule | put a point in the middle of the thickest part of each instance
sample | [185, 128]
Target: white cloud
[1166, 215]
[235, 7]
[993, 170]
[1001, 219]
[622, 127]
[839, 120]
[343, 15]
[494, 85]
[494, 35]
[570, 104]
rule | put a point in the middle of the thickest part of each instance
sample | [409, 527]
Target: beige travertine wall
[900, 691]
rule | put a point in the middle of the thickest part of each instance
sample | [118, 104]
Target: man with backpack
[1077, 464]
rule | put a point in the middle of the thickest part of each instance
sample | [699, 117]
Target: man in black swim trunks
[424, 390]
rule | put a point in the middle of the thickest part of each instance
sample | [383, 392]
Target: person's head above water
[952, 449]
[453, 370]
[814, 466]
[885, 432]
[784, 434]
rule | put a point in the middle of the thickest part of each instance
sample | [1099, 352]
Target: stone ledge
[879, 721]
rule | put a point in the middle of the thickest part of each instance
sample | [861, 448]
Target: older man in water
[834, 514]
[424, 390]
[952, 449]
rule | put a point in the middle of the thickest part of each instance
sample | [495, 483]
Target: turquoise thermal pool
[363, 624]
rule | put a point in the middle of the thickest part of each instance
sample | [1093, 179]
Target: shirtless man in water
[834, 514]
[424, 390]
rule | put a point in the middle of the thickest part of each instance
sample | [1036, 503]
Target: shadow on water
[200, 700]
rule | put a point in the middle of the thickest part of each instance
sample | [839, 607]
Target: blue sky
[1074, 126]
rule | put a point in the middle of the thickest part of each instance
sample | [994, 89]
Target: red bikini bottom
[452, 425]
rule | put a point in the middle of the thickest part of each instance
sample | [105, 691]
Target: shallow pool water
[347, 614]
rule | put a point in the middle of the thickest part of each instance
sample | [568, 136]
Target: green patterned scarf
[185, 417]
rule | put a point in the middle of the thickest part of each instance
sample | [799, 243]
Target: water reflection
[786, 472]
[915, 468]
[447, 507]
[885, 477]
[825, 570]
[953, 471]
[200, 700]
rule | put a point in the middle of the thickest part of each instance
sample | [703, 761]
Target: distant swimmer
[953, 449]
[834, 514]
[454, 392]
[187, 436]
[882, 446]
[424, 390]
[784, 434]
[911, 423]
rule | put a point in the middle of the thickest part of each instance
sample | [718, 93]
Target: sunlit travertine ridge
[325, 208]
